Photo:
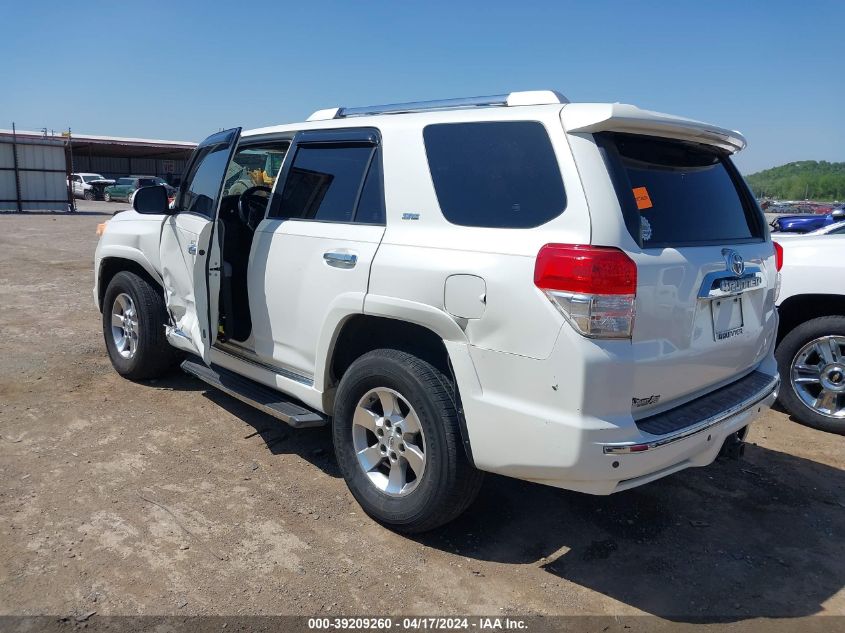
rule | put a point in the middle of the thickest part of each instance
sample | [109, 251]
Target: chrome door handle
[192, 248]
[341, 260]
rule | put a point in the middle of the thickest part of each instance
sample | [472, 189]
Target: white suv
[580, 295]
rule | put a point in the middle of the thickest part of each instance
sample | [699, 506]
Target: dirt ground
[169, 498]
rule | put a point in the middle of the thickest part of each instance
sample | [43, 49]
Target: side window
[498, 174]
[253, 166]
[204, 180]
[371, 204]
[325, 181]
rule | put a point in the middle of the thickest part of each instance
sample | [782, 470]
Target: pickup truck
[811, 335]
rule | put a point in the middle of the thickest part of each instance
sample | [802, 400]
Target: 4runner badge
[642, 402]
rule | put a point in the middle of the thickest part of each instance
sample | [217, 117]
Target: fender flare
[126, 253]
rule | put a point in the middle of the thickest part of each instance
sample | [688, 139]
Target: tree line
[805, 179]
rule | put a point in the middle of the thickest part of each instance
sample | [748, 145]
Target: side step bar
[263, 398]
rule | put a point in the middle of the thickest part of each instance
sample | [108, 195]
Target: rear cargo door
[704, 308]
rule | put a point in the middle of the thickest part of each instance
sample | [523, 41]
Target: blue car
[807, 221]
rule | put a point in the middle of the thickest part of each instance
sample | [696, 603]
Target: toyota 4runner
[581, 295]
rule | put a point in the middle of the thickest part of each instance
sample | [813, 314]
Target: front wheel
[107, 196]
[88, 194]
[398, 444]
[811, 362]
[134, 316]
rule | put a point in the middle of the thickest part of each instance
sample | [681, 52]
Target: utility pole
[71, 206]
[17, 169]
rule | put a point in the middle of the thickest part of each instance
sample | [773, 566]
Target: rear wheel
[133, 327]
[398, 443]
[811, 362]
[107, 196]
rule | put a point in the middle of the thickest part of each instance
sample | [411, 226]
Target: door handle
[192, 248]
[340, 260]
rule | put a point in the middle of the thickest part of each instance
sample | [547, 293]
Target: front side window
[203, 184]
[499, 174]
[124, 181]
[254, 166]
[326, 182]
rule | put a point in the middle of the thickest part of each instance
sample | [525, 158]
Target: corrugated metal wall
[42, 174]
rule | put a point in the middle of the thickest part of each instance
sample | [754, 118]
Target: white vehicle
[811, 347]
[88, 186]
[580, 295]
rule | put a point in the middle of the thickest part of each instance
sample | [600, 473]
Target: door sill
[246, 356]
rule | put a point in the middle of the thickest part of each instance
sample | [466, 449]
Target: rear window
[495, 174]
[676, 193]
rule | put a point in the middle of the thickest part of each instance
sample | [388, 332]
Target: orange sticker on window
[642, 198]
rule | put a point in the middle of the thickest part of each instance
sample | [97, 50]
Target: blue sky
[183, 69]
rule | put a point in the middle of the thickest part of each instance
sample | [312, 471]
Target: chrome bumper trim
[631, 448]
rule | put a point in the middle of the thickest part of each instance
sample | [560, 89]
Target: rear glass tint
[495, 174]
[678, 193]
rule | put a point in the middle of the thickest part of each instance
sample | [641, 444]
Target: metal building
[33, 174]
[34, 166]
[113, 156]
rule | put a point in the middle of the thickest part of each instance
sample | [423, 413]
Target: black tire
[785, 354]
[153, 356]
[107, 196]
[88, 194]
[449, 483]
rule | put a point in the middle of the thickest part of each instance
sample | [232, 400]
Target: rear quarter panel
[417, 256]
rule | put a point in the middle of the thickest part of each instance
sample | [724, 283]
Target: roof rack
[528, 97]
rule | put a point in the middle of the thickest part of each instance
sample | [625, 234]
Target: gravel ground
[168, 498]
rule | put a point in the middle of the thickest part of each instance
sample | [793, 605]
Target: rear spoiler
[621, 117]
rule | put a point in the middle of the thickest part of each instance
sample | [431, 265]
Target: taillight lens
[778, 266]
[593, 287]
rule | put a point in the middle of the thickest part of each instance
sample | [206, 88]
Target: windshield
[90, 177]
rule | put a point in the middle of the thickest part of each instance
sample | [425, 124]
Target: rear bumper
[567, 423]
[704, 416]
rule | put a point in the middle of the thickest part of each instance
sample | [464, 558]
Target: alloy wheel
[388, 441]
[818, 375]
[124, 325]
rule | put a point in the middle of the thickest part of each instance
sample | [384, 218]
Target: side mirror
[151, 200]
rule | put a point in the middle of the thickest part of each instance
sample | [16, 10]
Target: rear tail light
[593, 287]
[778, 256]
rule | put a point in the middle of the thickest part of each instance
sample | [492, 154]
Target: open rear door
[188, 249]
